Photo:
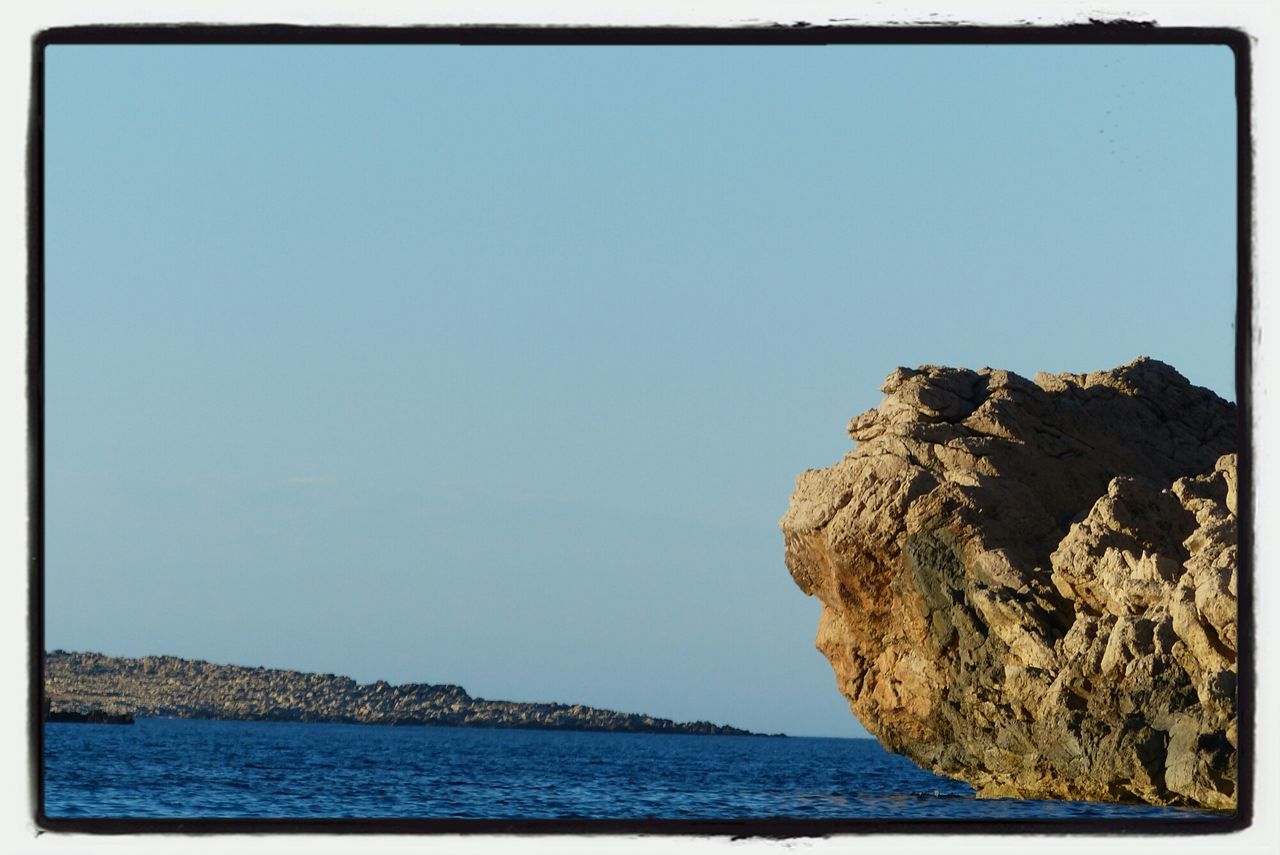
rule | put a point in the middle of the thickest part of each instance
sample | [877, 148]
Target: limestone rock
[1031, 586]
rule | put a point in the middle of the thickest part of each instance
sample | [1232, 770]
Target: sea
[180, 769]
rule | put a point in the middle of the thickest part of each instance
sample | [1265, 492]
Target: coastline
[88, 685]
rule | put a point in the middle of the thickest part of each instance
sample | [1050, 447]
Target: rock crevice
[1031, 585]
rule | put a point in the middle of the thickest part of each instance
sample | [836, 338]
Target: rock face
[1031, 586]
[79, 686]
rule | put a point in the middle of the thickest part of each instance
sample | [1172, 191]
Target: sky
[496, 365]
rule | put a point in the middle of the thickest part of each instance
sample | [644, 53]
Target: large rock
[1031, 586]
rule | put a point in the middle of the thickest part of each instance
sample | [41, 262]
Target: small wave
[200, 769]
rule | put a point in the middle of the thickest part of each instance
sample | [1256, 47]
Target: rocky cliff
[1031, 586]
[80, 686]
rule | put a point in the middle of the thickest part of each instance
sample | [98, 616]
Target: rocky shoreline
[1031, 585]
[90, 717]
[92, 687]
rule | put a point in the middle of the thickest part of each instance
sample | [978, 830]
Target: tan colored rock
[1031, 586]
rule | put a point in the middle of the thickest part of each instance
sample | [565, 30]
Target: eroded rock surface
[1031, 586]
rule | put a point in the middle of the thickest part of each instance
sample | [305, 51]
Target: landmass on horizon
[93, 688]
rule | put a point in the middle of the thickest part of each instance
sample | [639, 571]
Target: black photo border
[1093, 33]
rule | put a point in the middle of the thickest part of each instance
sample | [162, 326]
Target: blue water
[170, 768]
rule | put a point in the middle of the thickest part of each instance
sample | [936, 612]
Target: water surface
[171, 768]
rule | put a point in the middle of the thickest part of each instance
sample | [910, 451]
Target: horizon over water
[181, 768]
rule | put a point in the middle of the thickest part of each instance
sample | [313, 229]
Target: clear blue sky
[496, 366]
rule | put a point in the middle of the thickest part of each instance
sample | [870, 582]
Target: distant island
[90, 687]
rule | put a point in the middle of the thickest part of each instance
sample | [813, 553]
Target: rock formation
[1031, 586]
[88, 686]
